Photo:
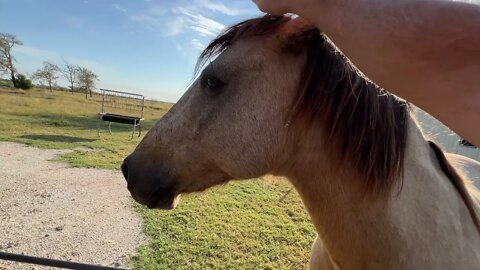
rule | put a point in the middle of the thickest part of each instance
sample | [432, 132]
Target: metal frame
[138, 123]
[138, 107]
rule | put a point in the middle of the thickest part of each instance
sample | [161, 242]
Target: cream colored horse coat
[430, 227]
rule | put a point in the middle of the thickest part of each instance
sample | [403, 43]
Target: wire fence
[121, 103]
[440, 133]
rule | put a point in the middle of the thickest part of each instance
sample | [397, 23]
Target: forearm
[426, 51]
[381, 36]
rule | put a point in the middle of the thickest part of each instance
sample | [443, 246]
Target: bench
[123, 108]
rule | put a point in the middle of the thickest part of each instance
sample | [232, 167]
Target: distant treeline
[79, 79]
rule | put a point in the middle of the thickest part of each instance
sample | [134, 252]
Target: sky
[142, 46]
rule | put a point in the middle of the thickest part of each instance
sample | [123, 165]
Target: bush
[22, 82]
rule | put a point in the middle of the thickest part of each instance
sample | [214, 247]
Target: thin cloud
[203, 31]
[183, 17]
[174, 27]
[180, 49]
[74, 21]
[46, 55]
[197, 44]
[119, 8]
[190, 24]
[201, 24]
[220, 7]
[34, 52]
[157, 10]
[143, 18]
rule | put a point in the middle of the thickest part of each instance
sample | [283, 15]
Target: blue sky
[144, 46]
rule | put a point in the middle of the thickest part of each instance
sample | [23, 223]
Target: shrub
[22, 82]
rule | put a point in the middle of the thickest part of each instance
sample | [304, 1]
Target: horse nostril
[125, 172]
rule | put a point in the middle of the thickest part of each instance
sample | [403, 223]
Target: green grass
[60, 120]
[243, 225]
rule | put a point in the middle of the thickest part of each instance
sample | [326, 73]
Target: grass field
[243, 225]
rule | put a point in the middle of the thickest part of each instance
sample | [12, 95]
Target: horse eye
[211, 85]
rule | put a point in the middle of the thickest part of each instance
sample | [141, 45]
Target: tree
[48, 74]
[7, 42]
[86, 80]
[70, 72]
[23, 82]
[3, 63]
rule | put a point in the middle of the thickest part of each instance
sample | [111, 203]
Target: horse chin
[166, 204]
[176, 201]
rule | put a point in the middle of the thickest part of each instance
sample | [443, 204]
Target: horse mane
[364, 124]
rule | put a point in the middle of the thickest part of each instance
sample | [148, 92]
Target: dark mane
[366, 125]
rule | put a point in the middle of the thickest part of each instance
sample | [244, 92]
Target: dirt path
[51, 210]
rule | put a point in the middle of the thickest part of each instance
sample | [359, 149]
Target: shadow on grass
[57, 138]
[84, 122]
[77, 122]
[59, 120]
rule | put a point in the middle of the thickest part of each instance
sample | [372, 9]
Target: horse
[273, 95]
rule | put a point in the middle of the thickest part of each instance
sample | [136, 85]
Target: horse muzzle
[150, 188]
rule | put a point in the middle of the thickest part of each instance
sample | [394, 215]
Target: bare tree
[3, 62]
[70, 72]
[48, 73]
[7, 42]
[86, 80]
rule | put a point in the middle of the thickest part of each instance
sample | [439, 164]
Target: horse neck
[366, 230]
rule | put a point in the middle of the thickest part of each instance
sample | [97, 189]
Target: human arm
[426, 51]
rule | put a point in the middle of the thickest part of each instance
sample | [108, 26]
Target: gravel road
[51, 210]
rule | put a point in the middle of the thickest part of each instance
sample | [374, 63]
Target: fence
[450, 141]
[121, 107]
